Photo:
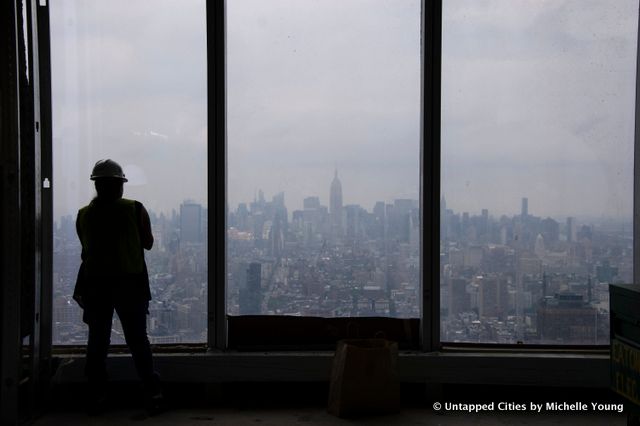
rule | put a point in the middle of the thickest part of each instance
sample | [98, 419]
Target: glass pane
[538, 102]
[129, 83]
[323, 157]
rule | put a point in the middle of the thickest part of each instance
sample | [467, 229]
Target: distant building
[571, 230]
[566, 319]
[606, 273]
[459, 300]
[539, 248]
[585, 233]
[191, 222]
[492, 296]
[251, 292]
[550, 230]
[311, 203]
[401, 220]
[353, 215]
[276, 236]
[335, 206]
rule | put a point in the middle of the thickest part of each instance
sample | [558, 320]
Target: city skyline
[521, 278]
[493, 214]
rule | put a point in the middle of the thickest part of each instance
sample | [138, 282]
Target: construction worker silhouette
[114, 232]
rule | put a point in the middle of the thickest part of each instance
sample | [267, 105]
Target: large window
[126, 88]
[323, 158]
[322, 110]
[537, 168]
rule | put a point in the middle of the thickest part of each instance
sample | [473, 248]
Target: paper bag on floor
[364, 378]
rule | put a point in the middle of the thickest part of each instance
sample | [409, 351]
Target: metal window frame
[430, 172]
[46, 174]
[32, 203]
[431, 23]
[10, 220]
[25, 299]
[217, 174]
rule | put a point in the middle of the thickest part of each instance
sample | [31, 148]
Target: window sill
[567, 369]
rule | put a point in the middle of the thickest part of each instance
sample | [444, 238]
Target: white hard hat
[107, 169]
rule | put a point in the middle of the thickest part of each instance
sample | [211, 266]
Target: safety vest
[110, 238]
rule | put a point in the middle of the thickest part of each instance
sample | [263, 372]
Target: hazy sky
[538, 101]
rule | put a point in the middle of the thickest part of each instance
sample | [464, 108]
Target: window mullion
[216, 234]
[430, 172]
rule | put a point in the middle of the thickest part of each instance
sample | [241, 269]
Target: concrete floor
[319, 416]
[278, 404]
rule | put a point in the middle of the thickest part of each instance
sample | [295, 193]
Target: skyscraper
[311, 203]
[492, 296]
[566, 318]
[190, 222]
[251, 292]
[525, 207]
[335, 206]
[276, 236]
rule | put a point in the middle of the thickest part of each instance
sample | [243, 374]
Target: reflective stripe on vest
[110, 238]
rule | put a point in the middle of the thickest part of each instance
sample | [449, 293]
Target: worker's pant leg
[98, 316]
[133, 316]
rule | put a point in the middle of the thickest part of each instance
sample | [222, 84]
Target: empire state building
[335, 206]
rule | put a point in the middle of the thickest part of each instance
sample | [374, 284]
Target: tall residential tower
[335, 206]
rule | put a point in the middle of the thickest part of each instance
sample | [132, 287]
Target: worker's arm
[79, 289]
[79, 232]
[146, 237]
